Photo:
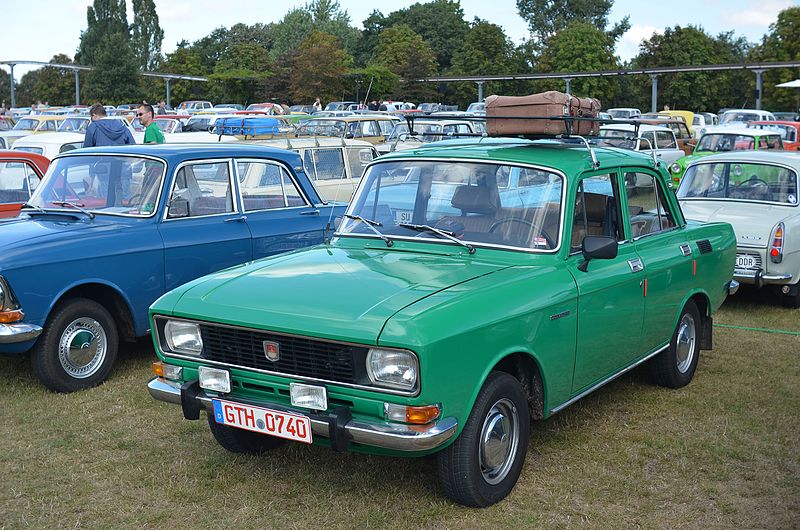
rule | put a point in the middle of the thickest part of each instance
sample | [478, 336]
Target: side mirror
[178, 207]
[597, 247]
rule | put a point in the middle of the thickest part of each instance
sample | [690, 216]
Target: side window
[205, 188]
[371, 128]
[596, 210]
[324, 164]
[648, 210]
[70, 147]
[762, 143]
[357, 159]
[665, 140]
[267, 186]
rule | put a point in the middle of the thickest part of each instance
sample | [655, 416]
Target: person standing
[102, 132]
[162, 107]
[317, 104]
[152, 134]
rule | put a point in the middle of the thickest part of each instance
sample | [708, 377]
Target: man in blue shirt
[106, 132]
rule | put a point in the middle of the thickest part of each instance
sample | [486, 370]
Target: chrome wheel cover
[82, 347]
[498, 441]
[686, 343]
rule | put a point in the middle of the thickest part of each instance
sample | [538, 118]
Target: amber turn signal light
[8, 317]
[416, 415]
[158, 368]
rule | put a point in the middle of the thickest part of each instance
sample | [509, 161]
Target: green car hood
[327, 292]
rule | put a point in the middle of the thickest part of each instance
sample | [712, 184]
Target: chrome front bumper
[386, 435]
[18, 332]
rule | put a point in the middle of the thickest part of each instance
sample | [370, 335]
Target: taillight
[776, 248]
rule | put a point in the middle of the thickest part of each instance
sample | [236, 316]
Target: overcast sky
[35, 30]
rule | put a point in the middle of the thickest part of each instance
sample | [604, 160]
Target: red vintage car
[790, 132]
[20, 173]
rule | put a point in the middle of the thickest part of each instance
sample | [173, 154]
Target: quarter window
[324, 164]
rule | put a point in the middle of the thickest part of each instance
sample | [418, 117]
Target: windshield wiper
[371, 225]
[443, 233]
[33, 206]
[75, 206]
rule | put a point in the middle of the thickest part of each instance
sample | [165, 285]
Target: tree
[486, 51]
[781, 43]
[406, 54]
[321, 15]
[55, 85]
[188, 61]
[378, 81]
[547, 17]
[440, 23]
[5, 87]
[105, 44]
[697, 91]
[318, 67]
[239, 72]
[580, 47]
[147, 35]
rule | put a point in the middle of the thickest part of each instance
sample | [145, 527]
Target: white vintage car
[757, 192]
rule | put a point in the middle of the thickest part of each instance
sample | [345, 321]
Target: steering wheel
[550, 242]
[753, 182]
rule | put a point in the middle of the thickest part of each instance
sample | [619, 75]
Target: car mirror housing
[597, 247]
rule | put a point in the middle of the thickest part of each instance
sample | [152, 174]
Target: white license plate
[401, 216]
[746, 262]
[265, 421]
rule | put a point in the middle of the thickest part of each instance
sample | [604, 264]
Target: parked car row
[469, 286]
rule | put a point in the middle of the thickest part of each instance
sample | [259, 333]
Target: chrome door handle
[310, 212]
[686, 250]
[636, 265]
[240, 219]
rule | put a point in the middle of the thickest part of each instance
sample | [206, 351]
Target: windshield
[619, 113]
[322, 128]
[729, 117]
[26, 124]
[122, 185]
[618, 138]
[485, 204]
[74, 125]
[746, 181]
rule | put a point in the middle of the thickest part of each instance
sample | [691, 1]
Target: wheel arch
[524, 367]
[703, 304]
[107, 295]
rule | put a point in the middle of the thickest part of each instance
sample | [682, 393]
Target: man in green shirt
[152, 134]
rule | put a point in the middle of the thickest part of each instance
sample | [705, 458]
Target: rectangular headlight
[392, 368]
[183, 337]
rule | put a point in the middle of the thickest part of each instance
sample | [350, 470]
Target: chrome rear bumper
[18, 332]
[386, 435]
[759, 278]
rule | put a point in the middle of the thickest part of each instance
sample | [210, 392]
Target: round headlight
[392, 368]
[183, 337]
[675, 167]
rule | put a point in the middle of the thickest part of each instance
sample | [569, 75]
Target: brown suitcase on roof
[501, 113]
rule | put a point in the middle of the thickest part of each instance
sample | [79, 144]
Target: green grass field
[721, 453]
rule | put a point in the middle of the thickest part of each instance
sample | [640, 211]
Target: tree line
[316, 51]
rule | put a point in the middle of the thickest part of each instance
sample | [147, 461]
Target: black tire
[675, 366]
[91, 332]
[468, 474]
[241, 441]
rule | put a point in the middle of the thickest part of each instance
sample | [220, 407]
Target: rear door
[278, 214]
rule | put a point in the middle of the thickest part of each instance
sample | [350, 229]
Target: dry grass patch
[720, 453]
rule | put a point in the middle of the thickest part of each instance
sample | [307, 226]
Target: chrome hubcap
[685, 346]
[498, 441]
[82, 348]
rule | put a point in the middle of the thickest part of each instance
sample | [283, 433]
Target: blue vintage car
[111, 229]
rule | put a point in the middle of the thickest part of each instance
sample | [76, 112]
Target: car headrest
[474, 199]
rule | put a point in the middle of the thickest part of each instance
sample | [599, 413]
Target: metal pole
[654, 93]
[759, 88]
[77, 86]
[168, 80]
[569, 86]
[13, 102]
[480, 90]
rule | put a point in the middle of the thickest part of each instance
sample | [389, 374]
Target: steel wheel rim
[498, 441]
[82, 347]
[685, 344]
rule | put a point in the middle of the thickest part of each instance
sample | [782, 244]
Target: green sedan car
[472, 288]
[726, 139]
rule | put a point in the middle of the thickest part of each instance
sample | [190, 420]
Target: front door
[610, 300]
[203, 232]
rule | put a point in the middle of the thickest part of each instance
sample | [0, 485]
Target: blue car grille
[301, 356]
